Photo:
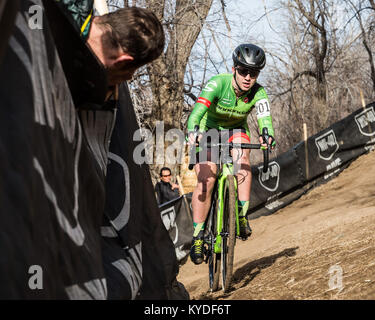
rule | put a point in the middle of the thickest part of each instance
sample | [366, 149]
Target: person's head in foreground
[125, 40]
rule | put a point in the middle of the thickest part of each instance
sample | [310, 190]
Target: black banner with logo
[65, 231]
[139, 256]
[51, 186]
[321, 158]
[177, 218]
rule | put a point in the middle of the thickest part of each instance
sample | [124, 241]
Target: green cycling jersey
[218, 107]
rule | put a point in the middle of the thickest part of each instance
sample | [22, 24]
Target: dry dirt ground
[321, 246]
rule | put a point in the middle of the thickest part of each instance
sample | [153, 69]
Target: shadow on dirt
[249, 271]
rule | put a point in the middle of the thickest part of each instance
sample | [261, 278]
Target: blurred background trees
[320, 56]
[321, 64]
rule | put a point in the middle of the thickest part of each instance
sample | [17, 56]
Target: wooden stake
[306, 151]
[362, 99]
[184, 197]
[180, 184]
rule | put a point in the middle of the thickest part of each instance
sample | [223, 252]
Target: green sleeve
[196, 116]
[209, 93]
[263, 112]
[266, 122]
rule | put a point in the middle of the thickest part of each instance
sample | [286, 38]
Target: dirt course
[322, 246]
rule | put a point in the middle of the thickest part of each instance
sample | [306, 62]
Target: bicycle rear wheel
[228, 232]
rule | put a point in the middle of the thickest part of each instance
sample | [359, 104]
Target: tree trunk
[167, 72]
[315, 16]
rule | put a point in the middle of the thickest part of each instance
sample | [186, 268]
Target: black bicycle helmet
[249, 56]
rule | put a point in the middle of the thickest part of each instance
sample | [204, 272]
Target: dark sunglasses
[244, 72]
[166, 175]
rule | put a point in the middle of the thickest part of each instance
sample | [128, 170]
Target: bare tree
[184, 21]
[298, 71]
[366, 34]
[315, 13]
[318, 67]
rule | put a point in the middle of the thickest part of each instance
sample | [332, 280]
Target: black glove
[272, 143]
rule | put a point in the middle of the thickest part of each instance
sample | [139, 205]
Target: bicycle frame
[218, 193]
[227, 169]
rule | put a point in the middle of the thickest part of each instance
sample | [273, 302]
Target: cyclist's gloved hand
[191, 137]
[271, 142]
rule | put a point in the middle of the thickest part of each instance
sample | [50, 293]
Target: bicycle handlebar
[232, 145]
[237, 145]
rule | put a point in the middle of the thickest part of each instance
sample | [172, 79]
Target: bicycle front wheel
[216, 258]
[228, 232]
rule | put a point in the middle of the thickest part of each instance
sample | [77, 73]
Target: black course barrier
[322, 157]
[177, 218]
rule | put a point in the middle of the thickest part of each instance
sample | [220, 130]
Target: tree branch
[309, 17]
[223, 5]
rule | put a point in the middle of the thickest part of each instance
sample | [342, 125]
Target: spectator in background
[165, 189]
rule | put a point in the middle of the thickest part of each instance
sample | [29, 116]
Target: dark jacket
[165, 193]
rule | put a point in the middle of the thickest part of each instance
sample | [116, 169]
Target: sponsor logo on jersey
[327, 145]
[230, 110]
[204, 101]
[270, 179]
[366, 122]
[209, 86]
[226, 101]
[246, 100]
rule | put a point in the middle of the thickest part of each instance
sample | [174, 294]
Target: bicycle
[222, 228]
